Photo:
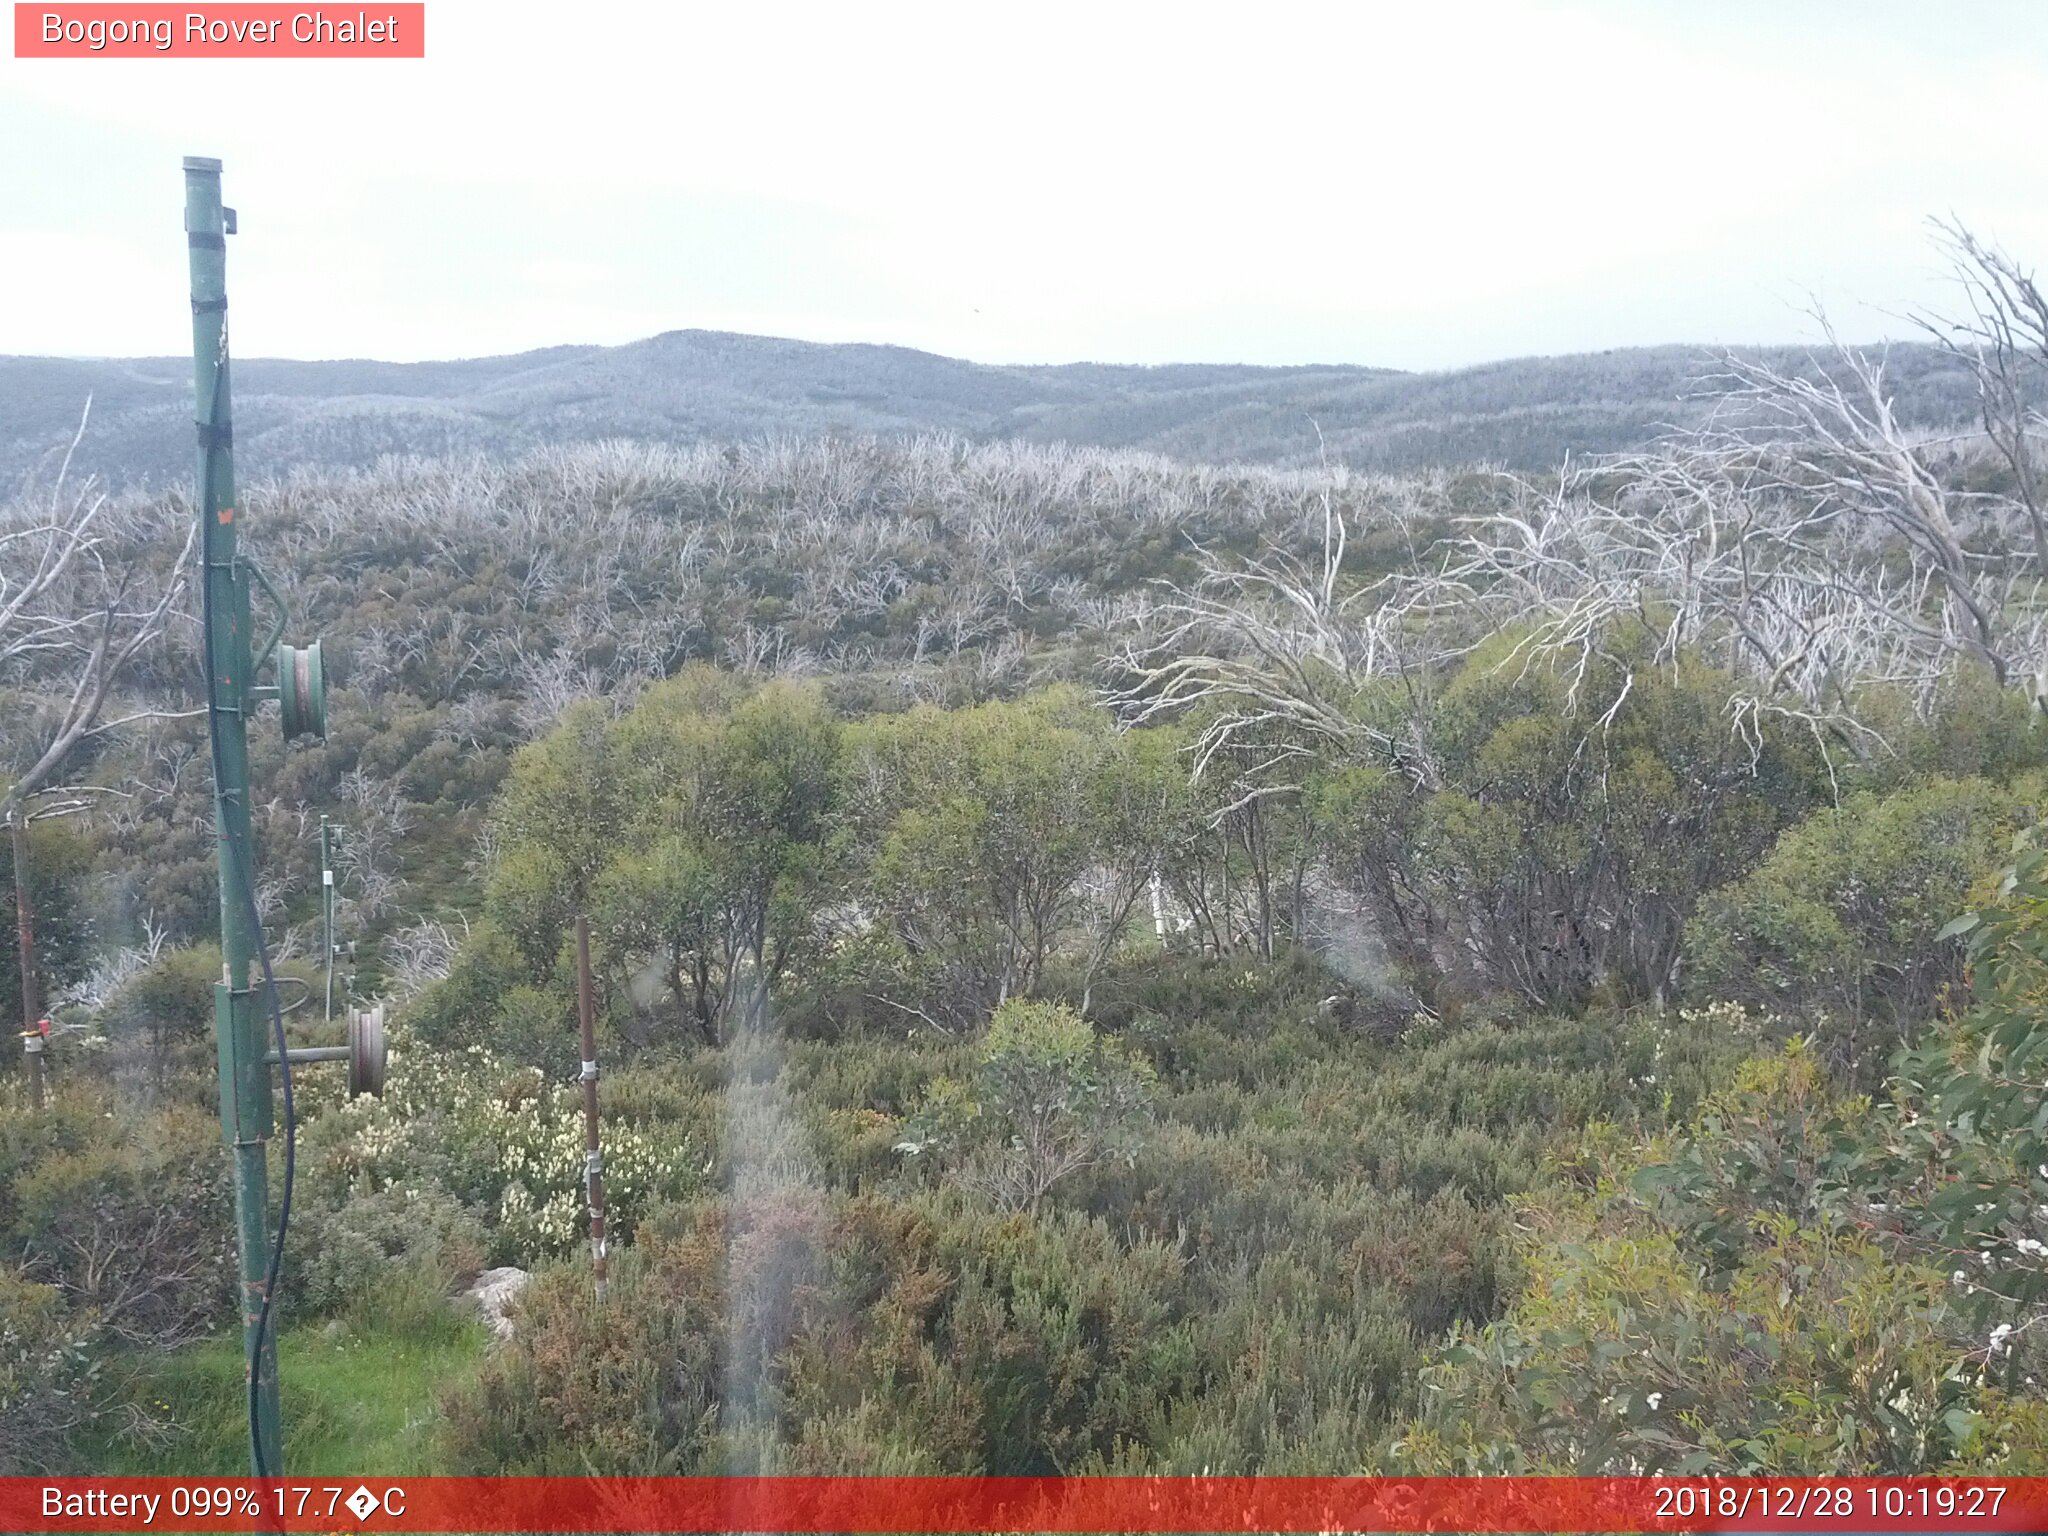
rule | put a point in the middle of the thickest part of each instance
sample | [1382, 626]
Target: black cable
[264, 1321]
[210, 439]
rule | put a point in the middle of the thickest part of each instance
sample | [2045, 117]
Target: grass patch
[356, 1402]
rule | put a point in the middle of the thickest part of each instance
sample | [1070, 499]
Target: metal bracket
[262, 654]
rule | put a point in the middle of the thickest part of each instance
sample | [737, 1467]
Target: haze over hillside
[689, 386]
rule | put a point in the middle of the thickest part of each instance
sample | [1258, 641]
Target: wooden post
[25, 935]
[593, 1153]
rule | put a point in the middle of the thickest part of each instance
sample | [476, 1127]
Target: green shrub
[1718, 1307]
[117, 1223]
[125, 1213]
[1976, 728]
[49, 1375]
[380, 1245]
[626, 1387]
[1051, 1098]
[822, 1334]
[1966, 1159]
[463, 1008]
[1210, 1021]
[1249, 1284]
[1844, 917]
[1299, 1378]
[60, 855]
[1585, 814]
[974, 829]
[162, 1017]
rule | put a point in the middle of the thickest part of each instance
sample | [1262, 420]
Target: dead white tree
[548, 685]
[1703, 546]
[2002, 338]
[1804, 536]
[1276, 653]
[79, 602]
[420, 954]
[368, 859]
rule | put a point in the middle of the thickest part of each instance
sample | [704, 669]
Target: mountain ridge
[692, 385]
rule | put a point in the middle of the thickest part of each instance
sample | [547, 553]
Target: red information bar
[232, 31]
[1850, 1506]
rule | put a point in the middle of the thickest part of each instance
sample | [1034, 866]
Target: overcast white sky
[1416, 185]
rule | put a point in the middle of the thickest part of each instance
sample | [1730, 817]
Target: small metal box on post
[250, 1041]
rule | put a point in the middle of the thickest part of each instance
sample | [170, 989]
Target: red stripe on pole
[230, 31]
[1849, 1506]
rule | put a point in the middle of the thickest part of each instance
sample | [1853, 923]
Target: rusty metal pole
[593, 1152]
[25, 934]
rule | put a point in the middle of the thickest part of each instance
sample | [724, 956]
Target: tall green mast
[245, 1112]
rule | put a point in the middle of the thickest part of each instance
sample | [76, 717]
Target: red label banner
[230, 31]
[1849, 1506]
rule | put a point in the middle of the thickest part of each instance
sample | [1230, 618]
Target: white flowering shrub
[507, 1143]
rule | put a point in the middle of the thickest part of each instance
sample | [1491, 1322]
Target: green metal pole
[244, 1075]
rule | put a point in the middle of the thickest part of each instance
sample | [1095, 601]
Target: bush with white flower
[506, 1142]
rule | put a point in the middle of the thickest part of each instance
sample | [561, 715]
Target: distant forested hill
[690, 386]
